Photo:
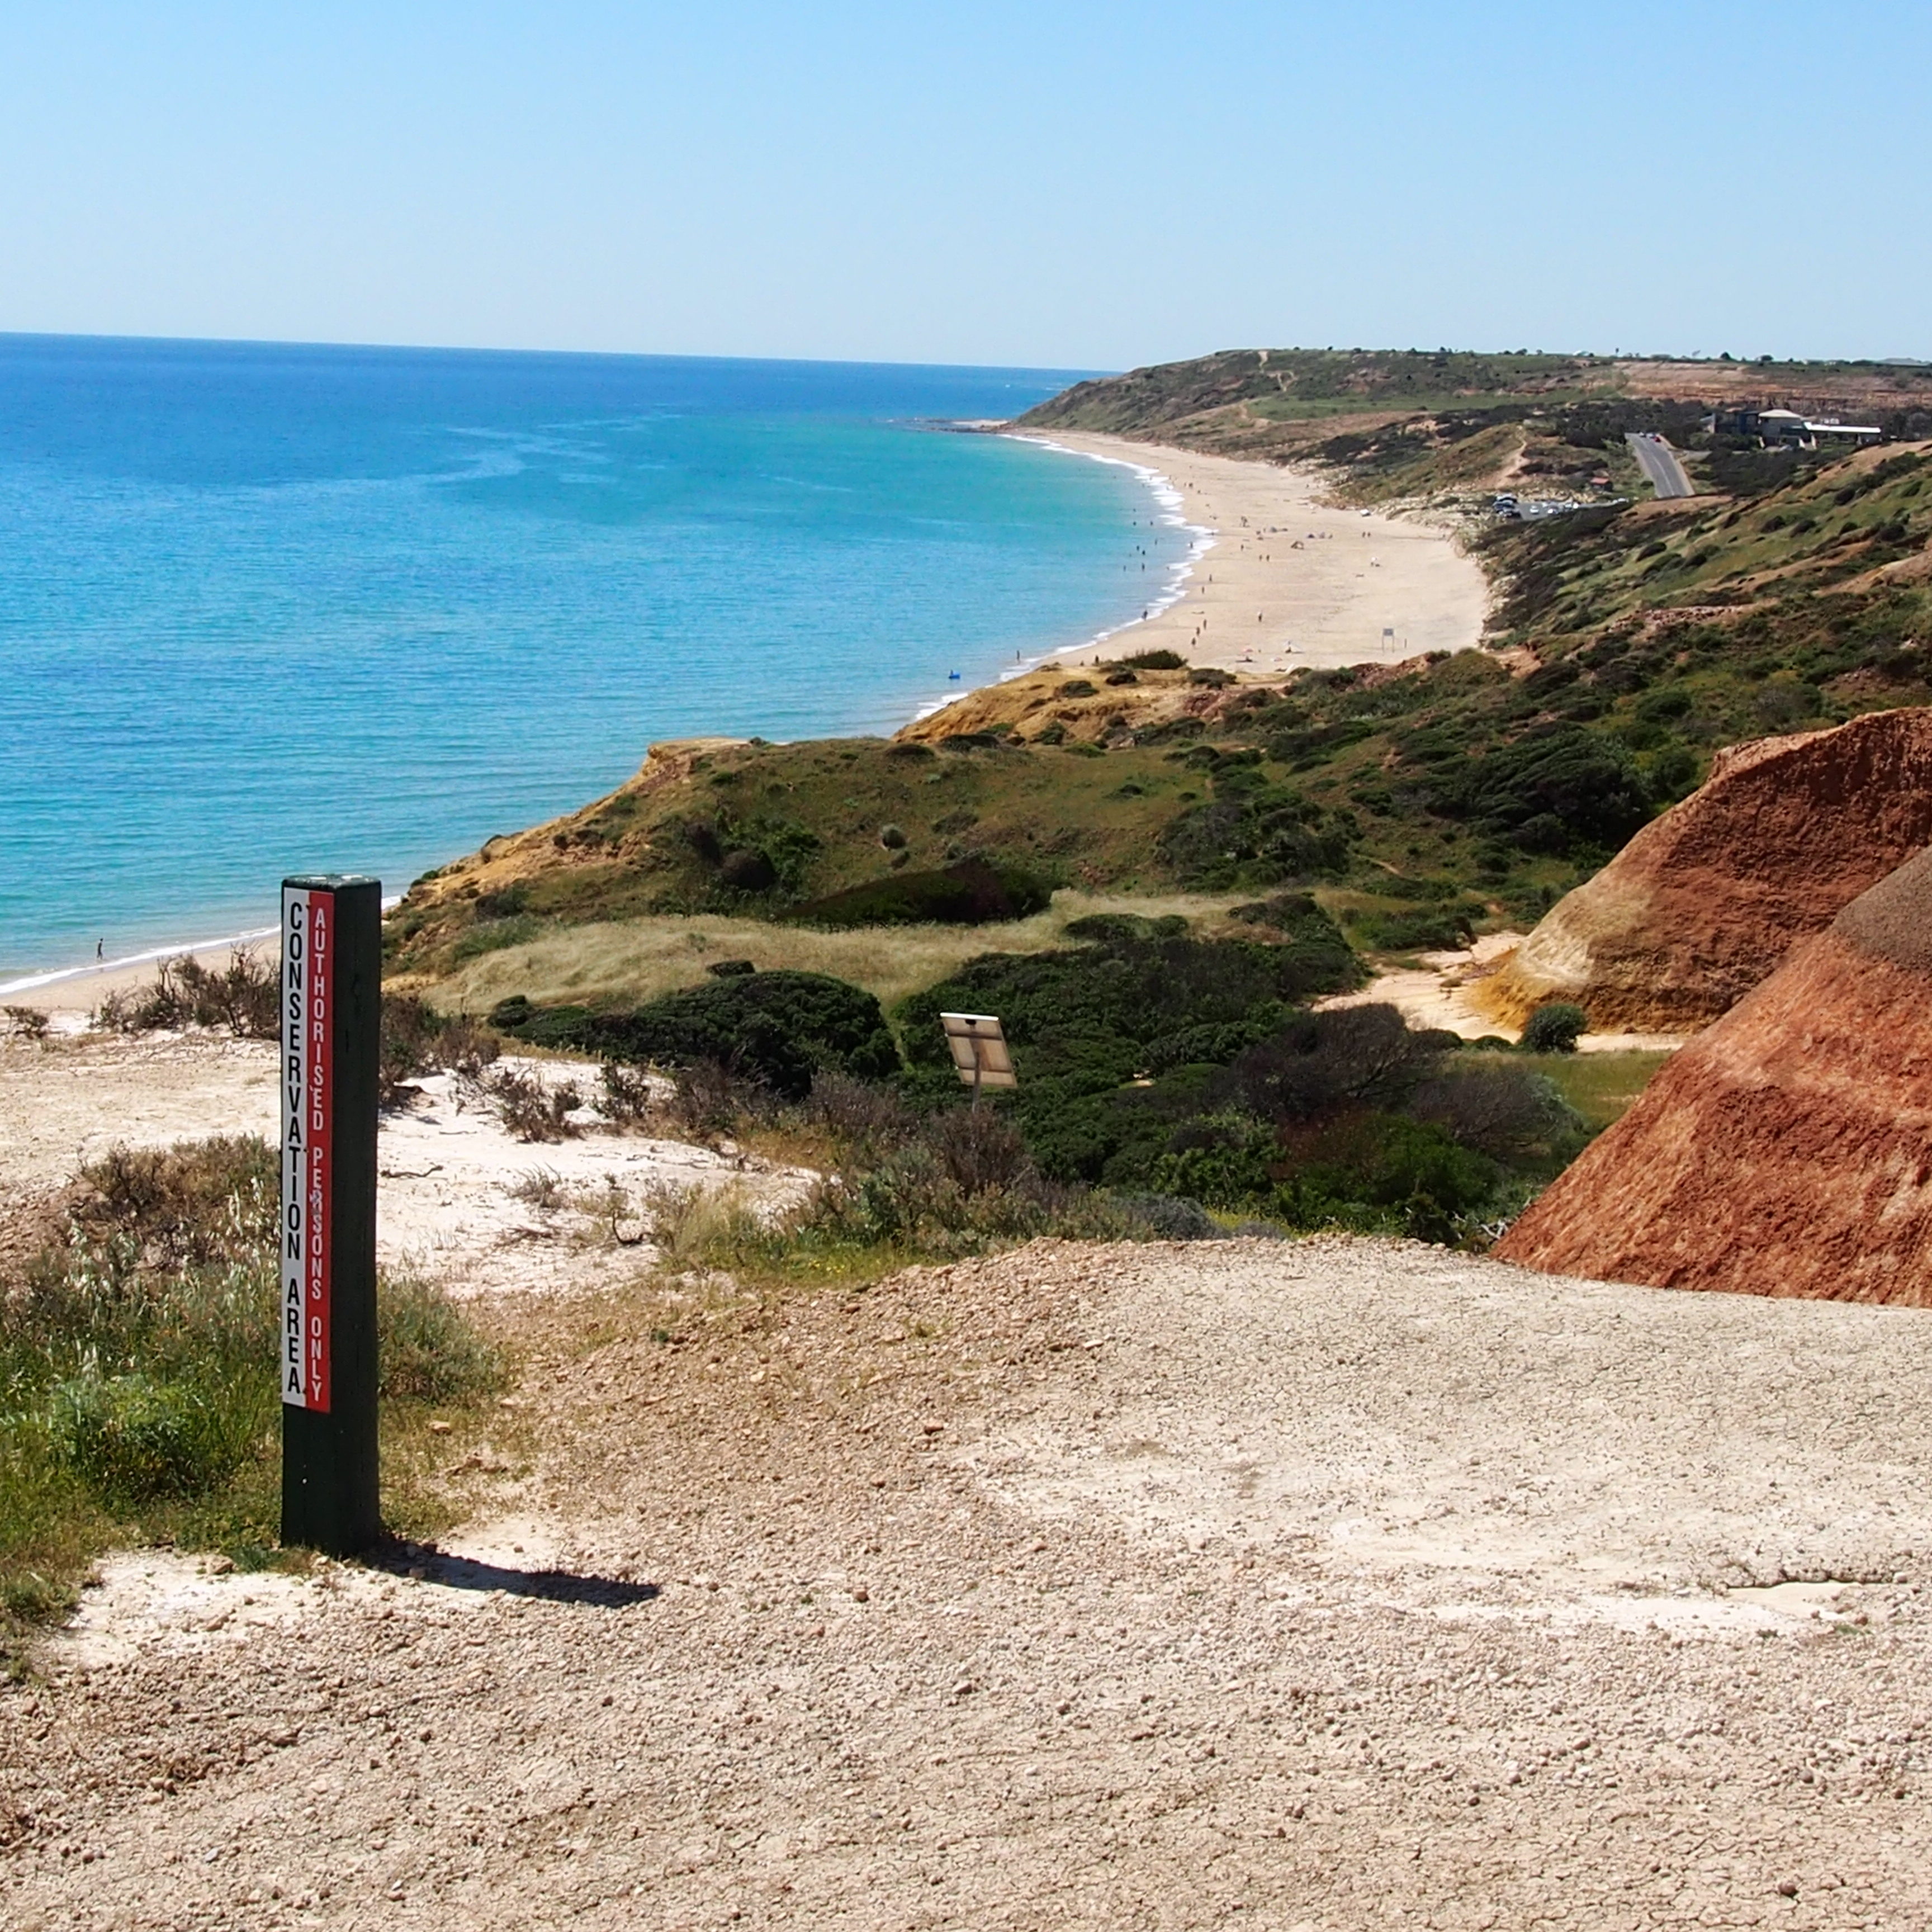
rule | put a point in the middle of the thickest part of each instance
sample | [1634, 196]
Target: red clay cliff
[1703, 903]
[1786, 1151]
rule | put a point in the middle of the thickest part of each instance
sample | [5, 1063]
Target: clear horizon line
[489, 349]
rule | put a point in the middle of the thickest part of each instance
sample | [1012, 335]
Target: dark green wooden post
[331, 965]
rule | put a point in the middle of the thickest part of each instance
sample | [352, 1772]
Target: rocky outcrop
[1787, 1151]
[1702, 904]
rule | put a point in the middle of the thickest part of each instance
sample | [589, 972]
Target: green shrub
[1162, 660]
[1408, 931]
[1554, 1028]
[970, 893]
[494, 935]
[1217, 1043]
[1121, 928]
[1550, 791]
[137, 1385]
[428, 1350]
[1505, 1111]
[1672, 773]
[1323, 1064]
[506, 902]
[1226, 1160]
[747, 857]
[1252, 832]
[777, 1028]
[132, 1440]
[1134, 1002]
[1168, 1217]
[207, 1202]
[1381, 1172]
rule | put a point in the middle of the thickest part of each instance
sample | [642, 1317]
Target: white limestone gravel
[1327, 1585]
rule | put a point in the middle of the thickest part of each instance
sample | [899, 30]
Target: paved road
[1659, 464]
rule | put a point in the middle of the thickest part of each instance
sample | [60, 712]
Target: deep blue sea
[267, 608]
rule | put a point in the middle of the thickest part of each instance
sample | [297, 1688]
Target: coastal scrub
[137, 1391]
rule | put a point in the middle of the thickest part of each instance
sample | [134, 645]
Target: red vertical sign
[308, 1107]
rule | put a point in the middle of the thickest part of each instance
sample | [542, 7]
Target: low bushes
[1136, 1003]
[899, 1184]
[1193, 1070]
[779, 1028]
[1152, 1065]
[243, 998]
[416, 1039]
[1553, 790]
[1413, 929]
[137, 1387]
[1554, 1028]
[1253, 832]
[970, 893]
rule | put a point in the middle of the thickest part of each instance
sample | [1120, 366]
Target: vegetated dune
[1788, 1150]
[1702, 904]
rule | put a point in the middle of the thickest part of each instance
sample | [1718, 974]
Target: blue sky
[1052, 183]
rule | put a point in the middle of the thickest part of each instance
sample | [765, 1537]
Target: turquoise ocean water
[266, 608]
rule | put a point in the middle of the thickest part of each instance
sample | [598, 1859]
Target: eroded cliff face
[1787, 1151]
[1703, 903]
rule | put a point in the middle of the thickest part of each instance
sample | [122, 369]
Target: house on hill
[1786, 429]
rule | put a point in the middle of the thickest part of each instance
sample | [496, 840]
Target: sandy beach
[70, 993]
[1290, 580]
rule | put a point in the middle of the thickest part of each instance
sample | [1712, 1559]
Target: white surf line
[35, 981]
[1169, 499]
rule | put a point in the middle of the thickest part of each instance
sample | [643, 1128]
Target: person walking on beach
[100, 949]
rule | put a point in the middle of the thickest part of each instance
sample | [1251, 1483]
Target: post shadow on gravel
[552, 1586]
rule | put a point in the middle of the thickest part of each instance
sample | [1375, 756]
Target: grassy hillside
[1213, 842]
[1286, 385]
[758, 831]
[1420, 800]
[1418, 423]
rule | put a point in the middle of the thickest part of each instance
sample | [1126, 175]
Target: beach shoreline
[1273, 580]
[77, 990]
[1277, 579]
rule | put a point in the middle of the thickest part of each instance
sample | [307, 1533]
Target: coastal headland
[1290, 578]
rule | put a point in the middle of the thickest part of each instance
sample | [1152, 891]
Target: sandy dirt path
[1332, 1585]
[1439, 992]
[1291, 581]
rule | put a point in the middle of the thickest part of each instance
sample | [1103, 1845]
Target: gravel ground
[1328, 1585]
